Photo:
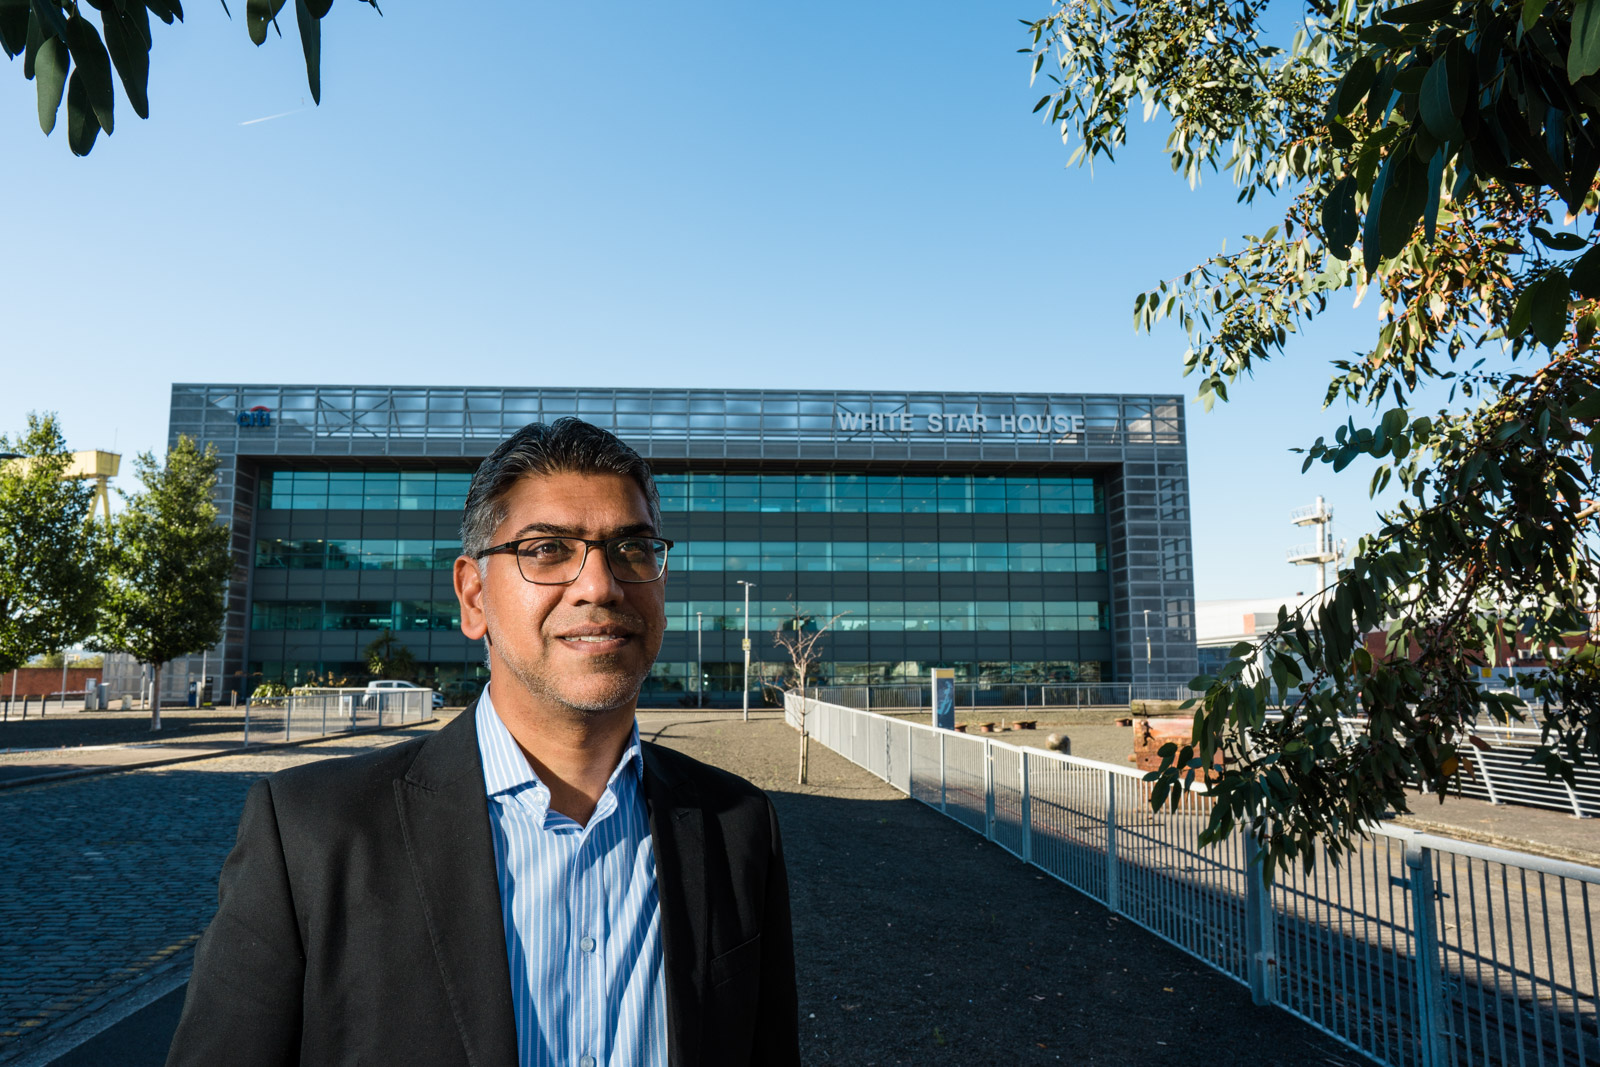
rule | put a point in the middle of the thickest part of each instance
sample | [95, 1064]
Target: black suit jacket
[360, 921]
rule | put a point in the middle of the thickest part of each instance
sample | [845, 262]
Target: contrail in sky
[269, 118]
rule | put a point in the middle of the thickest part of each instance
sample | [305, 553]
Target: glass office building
[1037, 537]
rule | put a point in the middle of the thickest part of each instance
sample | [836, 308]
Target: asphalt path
[140, 1040]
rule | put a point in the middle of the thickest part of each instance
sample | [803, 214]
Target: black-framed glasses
[560, 560]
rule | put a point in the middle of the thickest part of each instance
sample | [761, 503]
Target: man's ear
[469, 592]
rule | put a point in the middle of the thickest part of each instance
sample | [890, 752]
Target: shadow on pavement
[917, 942]
[140, 1040]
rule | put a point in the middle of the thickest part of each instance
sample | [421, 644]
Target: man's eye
[635, 549]
[545, 551]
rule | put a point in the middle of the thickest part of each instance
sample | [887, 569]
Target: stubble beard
[609, 684]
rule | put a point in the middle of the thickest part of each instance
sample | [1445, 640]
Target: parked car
[389, 685]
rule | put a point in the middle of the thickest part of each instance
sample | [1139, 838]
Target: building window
[286, 490]
[912, 557]
[880, 494]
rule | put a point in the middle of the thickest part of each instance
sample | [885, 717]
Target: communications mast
[1322, 551]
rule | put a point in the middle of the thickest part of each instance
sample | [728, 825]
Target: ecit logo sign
[256, 416]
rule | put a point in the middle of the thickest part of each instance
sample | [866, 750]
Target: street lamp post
[1147, 653]
[700, 654]
[66, 658]
[747, 587]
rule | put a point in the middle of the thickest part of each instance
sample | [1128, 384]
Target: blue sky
[707, 194]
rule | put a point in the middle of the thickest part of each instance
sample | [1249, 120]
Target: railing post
[246, 718]
[988, 789]
[941, 772]
[288, 714]
[1260, 927]
[1488, 783]
[1427, 979]
[1572, 796]
[1027, 813]
[1113, 890]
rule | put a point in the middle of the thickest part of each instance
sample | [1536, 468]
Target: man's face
[586, 645]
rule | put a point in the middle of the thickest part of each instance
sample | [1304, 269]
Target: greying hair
[566, 446]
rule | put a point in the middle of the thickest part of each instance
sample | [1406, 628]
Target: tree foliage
[169, 564]
[50, 551]
[64, 54]
[1439, 156]
[387, 658]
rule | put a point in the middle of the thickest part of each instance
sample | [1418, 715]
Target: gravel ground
[919, 943]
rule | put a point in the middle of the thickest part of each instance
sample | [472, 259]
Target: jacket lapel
[678, 835]
[444, 817]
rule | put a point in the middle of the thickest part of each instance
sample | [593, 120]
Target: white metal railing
[1502, 774]
[1415, 950]
[329, 711]
[1025, 695]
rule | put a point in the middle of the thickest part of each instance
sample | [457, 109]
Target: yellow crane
[94, 465]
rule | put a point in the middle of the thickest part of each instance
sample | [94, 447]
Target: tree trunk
[155, 696]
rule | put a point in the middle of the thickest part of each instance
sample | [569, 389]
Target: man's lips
[595, 638]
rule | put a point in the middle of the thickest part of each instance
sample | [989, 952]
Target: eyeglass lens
[558, 560]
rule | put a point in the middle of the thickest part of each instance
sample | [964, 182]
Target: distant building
[1221, 624]
[1037, 537]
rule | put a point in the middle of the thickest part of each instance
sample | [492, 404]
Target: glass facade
[416, 490]
[1012, 537]
[825, 493]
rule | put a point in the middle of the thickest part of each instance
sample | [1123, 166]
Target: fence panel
[1417, 950]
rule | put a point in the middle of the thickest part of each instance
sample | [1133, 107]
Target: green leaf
[1586, 274]
[1354, 86]
[1340, 224]
[165, 10]
[1372, 229]
[82, 124]
[258, 14]
[1421, 11]
[51, 17]
[50, 66]
[1430, 208]
[1440, 102]
[318, 8]
[1522, 314]
[130, 53]
[93, 65]
[1583, 55]
[14, 26]
[1387, 36]
[1409, 79]
[1530, 12]
[1561, 242]
[1405, 195]
[35, 39]
[311, 45]
[1549, 318]
[1587, 408]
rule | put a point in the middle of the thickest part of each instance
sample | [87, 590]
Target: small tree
[169, 564]
[50, 556]
[799, 638]
[388, 658]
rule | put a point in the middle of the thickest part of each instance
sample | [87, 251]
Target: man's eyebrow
[548, 529]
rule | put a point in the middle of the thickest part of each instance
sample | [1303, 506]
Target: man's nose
[595, 582]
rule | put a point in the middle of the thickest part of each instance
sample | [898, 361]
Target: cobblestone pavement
[917, 942]
[105, 879]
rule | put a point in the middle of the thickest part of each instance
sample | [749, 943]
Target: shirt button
[587, 944]
[586, 1060]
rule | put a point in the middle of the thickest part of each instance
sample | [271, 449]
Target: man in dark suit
[531, 884]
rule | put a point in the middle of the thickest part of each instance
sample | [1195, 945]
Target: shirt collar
[506, 769]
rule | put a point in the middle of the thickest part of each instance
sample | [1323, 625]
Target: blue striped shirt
[582, 915]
